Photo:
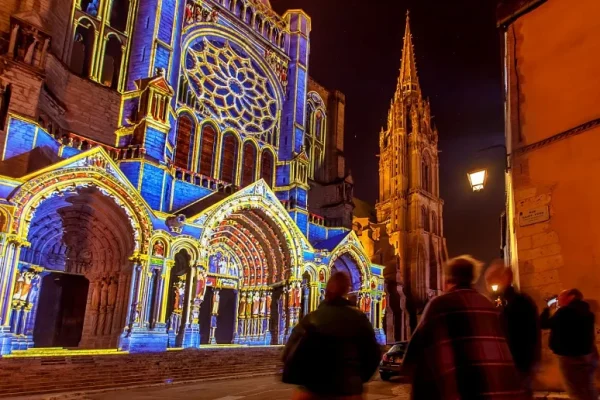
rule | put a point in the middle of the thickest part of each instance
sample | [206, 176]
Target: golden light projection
[477, 179]
[232, 87]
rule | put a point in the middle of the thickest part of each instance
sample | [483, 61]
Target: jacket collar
[338, 302]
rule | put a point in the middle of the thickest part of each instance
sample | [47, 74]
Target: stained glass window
[267, 167]
[248, 164]
[184, 134]
[207, 150]
[232, 87]
[229, 157]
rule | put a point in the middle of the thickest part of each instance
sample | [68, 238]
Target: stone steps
[38, 375]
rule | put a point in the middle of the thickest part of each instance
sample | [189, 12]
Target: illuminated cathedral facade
[406, 233]
[170, 177]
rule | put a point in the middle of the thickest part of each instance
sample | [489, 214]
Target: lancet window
[229, 156]
[99, 41]
[316, 132]
[207, 150]
[185, 128]
[248, 164]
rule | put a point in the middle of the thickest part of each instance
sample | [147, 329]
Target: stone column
[314, 296]
[240, 333]
[268, 296]
[8, 271]
[191, 312]
[214, 313]
[137, 336]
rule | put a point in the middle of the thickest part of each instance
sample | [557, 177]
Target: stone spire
[408, 80]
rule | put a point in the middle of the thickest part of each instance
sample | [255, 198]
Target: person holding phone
[572, 339]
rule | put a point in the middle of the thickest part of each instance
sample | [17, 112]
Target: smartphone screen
[553, 301]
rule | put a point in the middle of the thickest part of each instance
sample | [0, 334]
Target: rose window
[232, 88]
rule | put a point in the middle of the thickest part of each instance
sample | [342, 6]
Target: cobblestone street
[259, 388]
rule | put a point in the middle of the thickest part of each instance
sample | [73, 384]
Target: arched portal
[178, 300]
[75, 276]
[347, 264]
[248, 261]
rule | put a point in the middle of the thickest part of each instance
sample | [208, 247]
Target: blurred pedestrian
[520, 318]
[332, 351]
[458, 350]
[572, 339]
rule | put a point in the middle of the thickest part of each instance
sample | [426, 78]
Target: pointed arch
[119, 14]
[267, 162]
[185, 130]
[248, 163]
[111, 65]
[207, 150]
[426, 173]
[82, 49]
[229, 158]
[425, 219]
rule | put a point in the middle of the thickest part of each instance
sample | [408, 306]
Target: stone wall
[554, 87]
[92, 110]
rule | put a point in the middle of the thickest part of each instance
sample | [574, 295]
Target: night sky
[356, 48]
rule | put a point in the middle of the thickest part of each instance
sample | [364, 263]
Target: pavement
[258, 388]
[267, 387]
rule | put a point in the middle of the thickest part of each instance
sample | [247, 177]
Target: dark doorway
[61, 311]
[226, 318]
[305, 293]
[275, 324]
[205, 309]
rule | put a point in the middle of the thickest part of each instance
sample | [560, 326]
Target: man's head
[498, 277]
[567, 296]
[462, 271]
[338, 286]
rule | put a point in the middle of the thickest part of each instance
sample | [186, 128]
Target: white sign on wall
[534, 216]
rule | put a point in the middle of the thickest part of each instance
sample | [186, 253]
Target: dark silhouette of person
[572, 339]
[332, 352]
[520, 317]
[458, 350]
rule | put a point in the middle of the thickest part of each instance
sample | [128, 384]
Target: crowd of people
[466, 345]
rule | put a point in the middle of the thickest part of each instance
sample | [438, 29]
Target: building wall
[553, 86]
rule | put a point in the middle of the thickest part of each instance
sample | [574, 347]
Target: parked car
[391, 363]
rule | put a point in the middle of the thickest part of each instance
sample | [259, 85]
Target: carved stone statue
[368, 304]
[159, 249]
[201, 285]
[255, 303]
[28, 59]
[215, 303]
[35, 289]
[268, 303]
[13, 39]
[242, 307]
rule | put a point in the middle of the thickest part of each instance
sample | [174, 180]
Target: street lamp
[477, 179]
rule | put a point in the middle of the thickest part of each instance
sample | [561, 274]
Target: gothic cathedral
[408, 236]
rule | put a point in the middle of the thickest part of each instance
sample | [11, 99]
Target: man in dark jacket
[520, 318]
[572, 339]
[459, 351]
[332, 352]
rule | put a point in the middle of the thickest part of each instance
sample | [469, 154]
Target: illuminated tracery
[232, 87]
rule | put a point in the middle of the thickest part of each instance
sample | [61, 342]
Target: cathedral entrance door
[205, 316]
[226, 317]
[82, 240]
[61, 310]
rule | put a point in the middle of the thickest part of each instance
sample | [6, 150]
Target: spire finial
[408, 80]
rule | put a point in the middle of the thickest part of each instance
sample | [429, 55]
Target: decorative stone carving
[176, 223]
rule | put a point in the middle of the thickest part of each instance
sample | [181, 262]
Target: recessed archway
[79, 238]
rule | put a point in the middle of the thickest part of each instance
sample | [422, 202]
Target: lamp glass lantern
[477, 179]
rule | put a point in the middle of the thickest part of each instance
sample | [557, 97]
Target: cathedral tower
[409, 211]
